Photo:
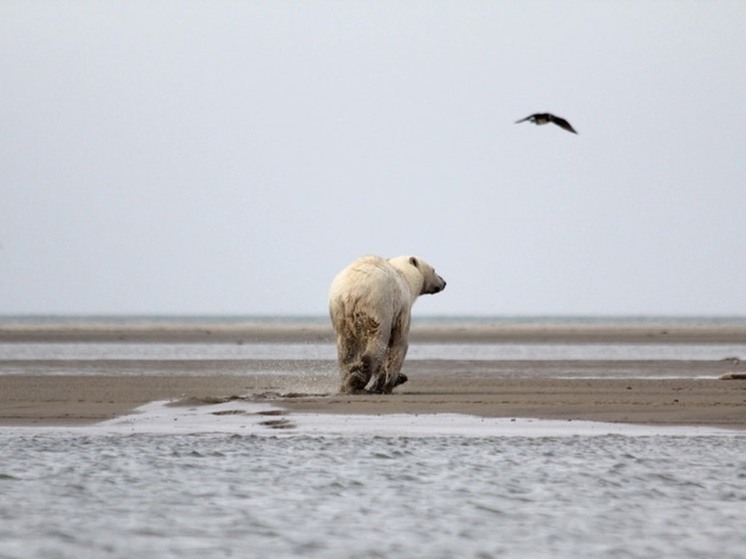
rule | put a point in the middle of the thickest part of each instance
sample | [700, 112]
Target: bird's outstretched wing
[562, 123]
[544, 118]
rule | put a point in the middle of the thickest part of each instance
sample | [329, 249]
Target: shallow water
[316, 351]
[91, 493]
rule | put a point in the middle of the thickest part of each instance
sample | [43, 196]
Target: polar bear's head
[420, 275]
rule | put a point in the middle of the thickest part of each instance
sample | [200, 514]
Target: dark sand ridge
[300, 333]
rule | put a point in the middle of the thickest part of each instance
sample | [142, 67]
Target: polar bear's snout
[435, 287]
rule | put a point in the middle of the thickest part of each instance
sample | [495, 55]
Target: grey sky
[232, 157]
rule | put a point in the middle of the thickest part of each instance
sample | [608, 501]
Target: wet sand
[529, 389]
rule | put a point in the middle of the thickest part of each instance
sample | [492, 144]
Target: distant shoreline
[417, 319]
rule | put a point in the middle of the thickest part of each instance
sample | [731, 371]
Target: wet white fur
[370, 305]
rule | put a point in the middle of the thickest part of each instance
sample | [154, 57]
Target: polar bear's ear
[413, 261]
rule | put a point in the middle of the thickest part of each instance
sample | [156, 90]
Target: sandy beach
[641, 392]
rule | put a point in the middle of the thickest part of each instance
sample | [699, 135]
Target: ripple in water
[230, 495]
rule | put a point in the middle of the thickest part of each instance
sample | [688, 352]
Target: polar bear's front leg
[392, 367]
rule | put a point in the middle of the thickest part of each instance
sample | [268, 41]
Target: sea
[231, 480]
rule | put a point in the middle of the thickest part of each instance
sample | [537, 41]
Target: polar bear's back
[369, 282]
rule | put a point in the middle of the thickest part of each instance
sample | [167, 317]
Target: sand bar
[81, 399]
[644, 392]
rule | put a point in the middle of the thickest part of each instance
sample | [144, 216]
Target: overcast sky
[231, 157]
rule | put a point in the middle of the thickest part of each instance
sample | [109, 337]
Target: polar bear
[370, 304]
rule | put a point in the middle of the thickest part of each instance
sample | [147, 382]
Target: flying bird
[546, 118]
